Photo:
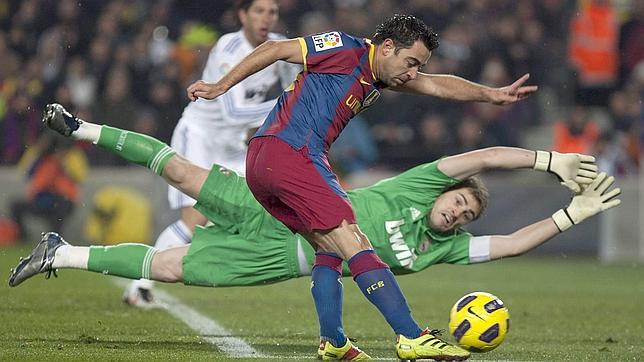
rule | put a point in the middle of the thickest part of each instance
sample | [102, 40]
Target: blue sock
[326, 289]
[379, 285]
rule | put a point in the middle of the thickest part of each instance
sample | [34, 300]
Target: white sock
[69, 256]
[87, 132]
[176, 234]
[142, 283]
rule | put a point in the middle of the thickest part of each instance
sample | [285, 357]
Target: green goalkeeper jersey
[394, 215]
[245, 245]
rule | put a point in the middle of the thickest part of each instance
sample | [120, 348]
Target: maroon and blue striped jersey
[336, 83]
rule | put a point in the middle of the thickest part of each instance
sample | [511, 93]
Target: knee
[362, 238]
[177, 170]
[167, 268]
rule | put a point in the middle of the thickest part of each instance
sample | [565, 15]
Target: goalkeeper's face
[454, 209]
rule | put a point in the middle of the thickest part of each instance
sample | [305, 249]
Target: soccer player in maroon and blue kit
[288, 172]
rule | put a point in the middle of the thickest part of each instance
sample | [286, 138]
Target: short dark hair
[479, 191]
[244, 4]
[405, 30]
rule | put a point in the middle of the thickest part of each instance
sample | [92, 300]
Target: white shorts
[205, 146]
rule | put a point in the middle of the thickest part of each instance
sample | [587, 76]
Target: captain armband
[479, 249]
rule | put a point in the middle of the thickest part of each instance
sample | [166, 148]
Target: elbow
[269, 45]
[491, 156]
[514, 253]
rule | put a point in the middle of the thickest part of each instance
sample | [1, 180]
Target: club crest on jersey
[424, 245]
[356, 106]
[370, 98]
[327, 41]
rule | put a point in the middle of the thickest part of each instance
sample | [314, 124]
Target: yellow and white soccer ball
[479, 322]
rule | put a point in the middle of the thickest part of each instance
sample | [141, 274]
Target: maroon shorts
[298, 189]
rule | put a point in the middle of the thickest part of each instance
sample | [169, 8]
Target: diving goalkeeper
[417, 216]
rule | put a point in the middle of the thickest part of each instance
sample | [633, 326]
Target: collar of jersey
[372, 50]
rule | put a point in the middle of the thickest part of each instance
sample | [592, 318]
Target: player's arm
[269, 52]
[594, 199]
[459, 89]
[571, 168]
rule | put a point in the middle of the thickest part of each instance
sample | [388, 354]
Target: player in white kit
[215, 131]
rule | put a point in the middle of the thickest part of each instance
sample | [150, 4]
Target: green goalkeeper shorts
[245, 245]
[218, 258]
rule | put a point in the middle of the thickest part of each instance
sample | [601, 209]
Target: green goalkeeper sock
[137, 148]
[129, 260]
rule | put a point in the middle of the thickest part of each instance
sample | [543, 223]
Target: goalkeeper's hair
[479, 191]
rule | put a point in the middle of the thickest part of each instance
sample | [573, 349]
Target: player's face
[453, 209]
[400, 67]
[258, 20]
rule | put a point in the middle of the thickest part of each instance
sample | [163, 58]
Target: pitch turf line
[207, 328]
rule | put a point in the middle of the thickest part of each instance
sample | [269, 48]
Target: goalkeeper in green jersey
[415, 219]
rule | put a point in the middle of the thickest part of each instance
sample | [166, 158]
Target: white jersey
[215, 131]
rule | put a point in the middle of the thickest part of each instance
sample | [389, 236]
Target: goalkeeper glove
[572, 169]
[592, 200]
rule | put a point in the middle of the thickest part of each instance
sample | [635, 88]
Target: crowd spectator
[576, 133]
[54, 168]
[129, 62]
[594, 33]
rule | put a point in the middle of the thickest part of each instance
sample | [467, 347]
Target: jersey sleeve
[331, 52]
[459, 253]
[235, 109]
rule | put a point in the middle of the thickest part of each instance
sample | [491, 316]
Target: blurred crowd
[126, 63]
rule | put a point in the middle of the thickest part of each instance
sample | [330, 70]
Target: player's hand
[572, 169]
[593, 199]
[512, 93]
[201, 89]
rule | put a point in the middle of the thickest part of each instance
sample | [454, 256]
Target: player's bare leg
[134, 147]
[127, 260]
[139, 292]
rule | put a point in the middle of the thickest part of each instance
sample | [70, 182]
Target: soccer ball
[479, 322]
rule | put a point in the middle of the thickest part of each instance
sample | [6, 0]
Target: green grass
[561, 309]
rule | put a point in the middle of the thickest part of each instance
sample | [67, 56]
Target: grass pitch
[560, 309]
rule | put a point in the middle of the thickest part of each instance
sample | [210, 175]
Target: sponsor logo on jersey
[327, 41]
[403, 254]
[415, 213]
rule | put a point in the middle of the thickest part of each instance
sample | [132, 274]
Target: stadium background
[127, 63]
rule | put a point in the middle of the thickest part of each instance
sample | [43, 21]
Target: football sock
[128, 260]
[326, 288]
[379, 285]
[137, 148]
[87, 132]
[142, 283]
[69, 256]
[175, 234]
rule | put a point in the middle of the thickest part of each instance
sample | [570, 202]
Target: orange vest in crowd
[566, 142]
[50, 176]
[594, 43]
